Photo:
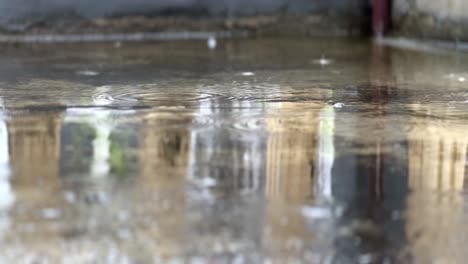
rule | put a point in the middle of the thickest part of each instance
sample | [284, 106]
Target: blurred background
[433, 19]
[277, 131]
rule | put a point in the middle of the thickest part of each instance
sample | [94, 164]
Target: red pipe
[381, 14]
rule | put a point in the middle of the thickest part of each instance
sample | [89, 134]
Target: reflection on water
[188, 160]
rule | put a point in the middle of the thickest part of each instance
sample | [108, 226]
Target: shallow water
[255, 151]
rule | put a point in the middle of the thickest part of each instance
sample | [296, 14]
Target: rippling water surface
[256, 151]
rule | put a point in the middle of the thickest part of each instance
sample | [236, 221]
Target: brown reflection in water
[290, 167]
[437, 154]
[437, 160]
[164, 152]
[164, 159]
[291, 152]
[34, 143]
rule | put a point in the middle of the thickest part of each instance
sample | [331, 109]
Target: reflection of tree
[93, 145]
[77, 150]
[122, 161]
[437, 153]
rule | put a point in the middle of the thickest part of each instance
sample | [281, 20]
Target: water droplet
[87, 73]
[212, 43]
[248, 74]
[338, 105]
[103, 99]
[323, 61]
[51, 213]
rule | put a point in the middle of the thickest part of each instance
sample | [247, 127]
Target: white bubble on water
[338, 105]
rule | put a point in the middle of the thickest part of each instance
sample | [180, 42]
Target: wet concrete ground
[255, 151]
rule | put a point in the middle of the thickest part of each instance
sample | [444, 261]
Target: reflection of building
[34, 142]
[231, 156]
[291, 165]
[164, 158]
[164, 151]
[437, 158]
[291, 153]
[437, 154]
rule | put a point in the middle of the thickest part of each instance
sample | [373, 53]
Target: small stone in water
[50, 213]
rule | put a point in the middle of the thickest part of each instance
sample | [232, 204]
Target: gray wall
[16, 14]
[434, 19]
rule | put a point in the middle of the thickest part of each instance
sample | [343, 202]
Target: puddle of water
[255, 151]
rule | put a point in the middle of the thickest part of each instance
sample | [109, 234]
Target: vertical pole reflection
[326, 153]
[292, 152]
[100, 166]
[7, 196]
[370, 171]
[437, 160]
[296, 152]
